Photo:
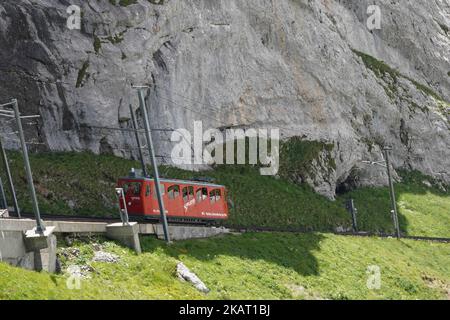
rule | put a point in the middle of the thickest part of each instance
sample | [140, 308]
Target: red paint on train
[182, 199]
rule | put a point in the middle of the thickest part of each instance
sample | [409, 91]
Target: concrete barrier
[128, 235]
[60, 226]
[43, 245]
[29, 250]
[78, 227]
[13, 250]
[146, 229]
[189, 232]
[21, 225]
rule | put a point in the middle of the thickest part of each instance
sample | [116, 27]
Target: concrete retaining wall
[189, 232]
[176, 232]
[13, 251]
[60, 226]
[128, 235]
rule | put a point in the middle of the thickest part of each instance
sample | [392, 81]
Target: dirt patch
[300, 292]
[437, 284]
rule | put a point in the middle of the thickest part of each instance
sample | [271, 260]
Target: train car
[184, 201]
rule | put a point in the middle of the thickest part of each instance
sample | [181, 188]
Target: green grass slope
[83, 184]
[249, 266]
[423, 210]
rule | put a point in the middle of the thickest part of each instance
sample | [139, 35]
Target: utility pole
[392, 192]
[40, 228]
[3, 202]
[386, 164]
[148, 136]
[123, 213]
[138, 141]
[9, 178]
[351, 207]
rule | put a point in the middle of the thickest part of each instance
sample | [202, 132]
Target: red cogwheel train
[184, 201]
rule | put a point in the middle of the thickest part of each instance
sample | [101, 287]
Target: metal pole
[9, 178]
[40, 228]
[138, 141]
[353, 212]
[124, 213]
[148, 136]
[392, 193]
[7, 104]
[3, 202]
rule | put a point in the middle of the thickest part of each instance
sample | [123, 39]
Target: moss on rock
[82, 74]
[299, 158]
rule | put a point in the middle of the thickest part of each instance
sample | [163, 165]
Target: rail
[242, 229]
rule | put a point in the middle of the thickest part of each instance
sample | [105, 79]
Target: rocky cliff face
[309, 67]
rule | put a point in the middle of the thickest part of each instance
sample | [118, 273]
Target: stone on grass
[101, 256]
[185, 274]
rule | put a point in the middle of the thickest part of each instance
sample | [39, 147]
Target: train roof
[196, 183]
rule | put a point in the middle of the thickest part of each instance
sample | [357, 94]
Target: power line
[195, 101]
[192, 110]
[124, 129]
[27, 142]
[224, 125]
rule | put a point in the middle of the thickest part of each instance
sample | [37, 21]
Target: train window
[188, 193]
[218, 195]
[136, 187]
[132, 188]
[214, 195]
[147, 191]
[185, 194]
[173, 191]
[202, 194]
[161, 189]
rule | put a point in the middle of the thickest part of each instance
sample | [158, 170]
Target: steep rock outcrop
[311, 68]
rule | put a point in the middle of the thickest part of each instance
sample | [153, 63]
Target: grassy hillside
[249, 266]
[423, 210]
[83, 183]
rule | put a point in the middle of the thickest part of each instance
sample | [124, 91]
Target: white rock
[185, 274]
[427, 183]
[101, 256]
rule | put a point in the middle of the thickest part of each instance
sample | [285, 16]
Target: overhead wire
[221, 122]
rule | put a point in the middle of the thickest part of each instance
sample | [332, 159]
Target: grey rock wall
[288, 64]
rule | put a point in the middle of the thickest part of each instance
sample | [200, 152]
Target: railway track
[350, 234]
[236, 228]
